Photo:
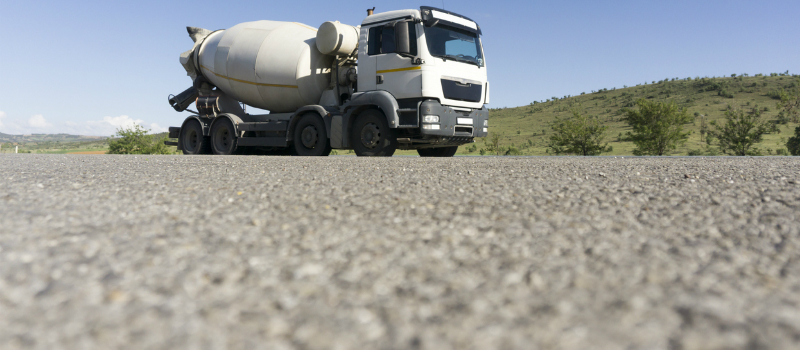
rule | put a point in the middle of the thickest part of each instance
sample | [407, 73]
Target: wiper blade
[459, 59]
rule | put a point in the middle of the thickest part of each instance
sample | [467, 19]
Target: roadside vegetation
[794, 143]
[740, 131]
[657, 127]
[579, 135]
[704, 99]
[137, 140]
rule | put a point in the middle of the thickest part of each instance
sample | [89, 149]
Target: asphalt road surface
[255, 252]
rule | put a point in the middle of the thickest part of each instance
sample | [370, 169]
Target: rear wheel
[310, 137]
[438, 152]
[192, 139]
[223, 137]
[371, 135]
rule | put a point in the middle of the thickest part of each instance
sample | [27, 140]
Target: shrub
[579, 135]
[793, 145]
[492, 144]
[657, 127]
[740, 131]
[512, 151]
[790, 102]
[695, 152]
[135, 140]
[775, 94]
[705, 151]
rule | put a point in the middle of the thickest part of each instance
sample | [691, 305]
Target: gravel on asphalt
[255, 252]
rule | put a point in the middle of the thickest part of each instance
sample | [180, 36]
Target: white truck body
[408, 79]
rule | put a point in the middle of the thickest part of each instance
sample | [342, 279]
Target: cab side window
[381, 40]
[378, 41]
[374, 43]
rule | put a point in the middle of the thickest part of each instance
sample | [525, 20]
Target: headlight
[485, 130]
[431, 126]
[485, 122]
[430, 118]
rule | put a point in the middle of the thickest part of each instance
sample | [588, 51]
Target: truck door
[367, 63]
[396, 74]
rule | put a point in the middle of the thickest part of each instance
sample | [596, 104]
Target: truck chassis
[315, 130]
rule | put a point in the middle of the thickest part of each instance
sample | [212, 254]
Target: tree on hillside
[657, 127]
[790, 101]
[581, 135]
[794, 143]
[740, 131]
[135, 140]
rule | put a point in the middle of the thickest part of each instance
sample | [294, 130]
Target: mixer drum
[267, 64]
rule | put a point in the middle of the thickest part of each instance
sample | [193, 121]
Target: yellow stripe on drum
[398, 69]
[248, 82]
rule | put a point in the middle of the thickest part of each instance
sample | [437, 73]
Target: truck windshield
[456, 44]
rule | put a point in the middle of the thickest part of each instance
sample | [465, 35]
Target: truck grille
[462, 91]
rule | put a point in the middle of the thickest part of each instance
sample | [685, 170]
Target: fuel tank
[266, 64]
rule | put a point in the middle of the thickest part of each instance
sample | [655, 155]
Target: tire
[192, 139]
[310, 138]
[223, 137]
[438, 152]
[371, 135]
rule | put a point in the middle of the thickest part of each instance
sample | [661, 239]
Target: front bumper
[454, 122]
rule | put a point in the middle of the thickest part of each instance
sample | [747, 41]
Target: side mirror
[402, 38]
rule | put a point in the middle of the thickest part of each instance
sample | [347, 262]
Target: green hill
[527, 127]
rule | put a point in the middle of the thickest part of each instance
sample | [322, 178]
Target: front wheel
[310, 137]
[371, 136]
[223, 137]
[438, 152]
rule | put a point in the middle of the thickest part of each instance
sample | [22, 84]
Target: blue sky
[87, 67]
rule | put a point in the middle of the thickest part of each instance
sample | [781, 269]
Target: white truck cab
[442, 68]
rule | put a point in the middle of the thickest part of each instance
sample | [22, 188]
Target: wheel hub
[223, 137]
[309, 136]
[192, 138]
[370, 135]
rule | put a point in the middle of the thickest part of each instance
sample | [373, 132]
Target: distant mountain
[47, 138]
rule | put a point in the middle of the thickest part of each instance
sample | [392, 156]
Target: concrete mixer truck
[407, 79]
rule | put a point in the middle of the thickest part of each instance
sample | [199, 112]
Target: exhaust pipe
[183, 100]
[370, 11]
